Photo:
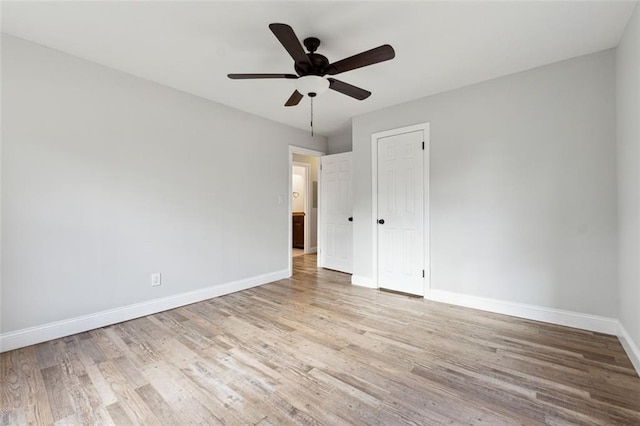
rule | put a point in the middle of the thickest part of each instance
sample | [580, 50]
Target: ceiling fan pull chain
[312, 116]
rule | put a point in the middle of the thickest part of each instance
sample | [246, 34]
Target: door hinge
[423, 145]
[423, 273]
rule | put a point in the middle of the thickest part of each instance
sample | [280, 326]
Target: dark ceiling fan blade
[248, 76]
[295, 99]
[348, 89]
[370, 57]
[284, 33]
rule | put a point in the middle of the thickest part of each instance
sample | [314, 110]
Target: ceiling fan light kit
[311, 68]
[312, 85]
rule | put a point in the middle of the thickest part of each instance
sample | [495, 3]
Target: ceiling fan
[312, 68]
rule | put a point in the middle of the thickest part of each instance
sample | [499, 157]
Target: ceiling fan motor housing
[318, 65]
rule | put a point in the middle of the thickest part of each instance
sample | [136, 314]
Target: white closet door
[401, 213]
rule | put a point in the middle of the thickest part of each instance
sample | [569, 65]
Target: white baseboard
[532, 312]
[629, 346]
[363, 281]
[312, 250]
[42, 333]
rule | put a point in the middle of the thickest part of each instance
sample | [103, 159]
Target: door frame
[307, 198]
[425, 127]
[293, 149]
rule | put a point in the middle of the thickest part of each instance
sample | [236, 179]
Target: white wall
[298, 185]
[523, 186]
[107, 178]
[628, 113]
[340, 142]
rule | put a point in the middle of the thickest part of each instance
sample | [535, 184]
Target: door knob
[381, 221]
[350, 219]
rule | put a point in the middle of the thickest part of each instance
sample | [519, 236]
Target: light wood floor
[315, 350]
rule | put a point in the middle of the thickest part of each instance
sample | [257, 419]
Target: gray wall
[523, 186]
[107, 178]
[340, 142]
[628, 112]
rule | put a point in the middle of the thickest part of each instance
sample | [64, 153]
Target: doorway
[303, 212]
[302, 208]
[400, 209]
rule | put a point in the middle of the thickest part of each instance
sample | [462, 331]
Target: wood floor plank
[157, 404]
[100, 384]
[130, 402]
[39, 412]
[57, 392]
[118, 415]
[13, 417]
[196, 398]
[314, 349]
[11, 388]
[108, 348]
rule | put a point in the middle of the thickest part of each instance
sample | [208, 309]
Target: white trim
[632, 350]
[313, 250]
[426, 132]
[533, 312]
[306, 151]
[319, 241]
[426, 211]
[54, 330]
[311, 153]
[363, 281]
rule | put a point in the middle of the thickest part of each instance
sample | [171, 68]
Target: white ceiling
[191, 46]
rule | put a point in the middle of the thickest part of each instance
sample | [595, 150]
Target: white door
[336, 213]
[401, 212]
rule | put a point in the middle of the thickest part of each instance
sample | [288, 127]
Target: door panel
[336, 251]
[400, 206]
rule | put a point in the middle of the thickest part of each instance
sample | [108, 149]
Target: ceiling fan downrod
[312, 95]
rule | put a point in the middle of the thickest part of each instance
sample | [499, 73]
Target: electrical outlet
[156, 279]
